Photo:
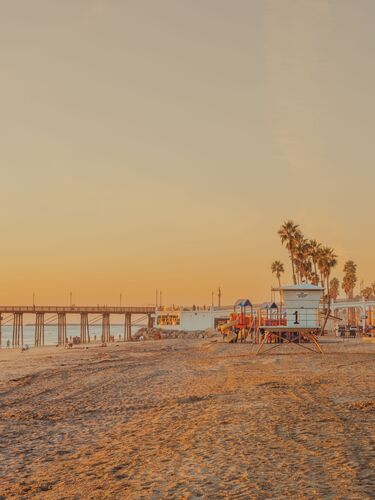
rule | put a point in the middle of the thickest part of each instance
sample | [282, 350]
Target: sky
[161, 144]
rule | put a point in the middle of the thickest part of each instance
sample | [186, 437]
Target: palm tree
[303, 261]
[334, 285]
[350, 278]
[289, 233]
[367, 293]
[314, 278]
[371, 309]
[277, 268]
[321, 264]
[327, 261]
[348, 284]
[315, 248]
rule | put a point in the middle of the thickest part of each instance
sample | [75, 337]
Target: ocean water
[50, 333]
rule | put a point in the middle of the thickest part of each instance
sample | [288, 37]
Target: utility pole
[71, 298]
[219, 296]
[120, 299]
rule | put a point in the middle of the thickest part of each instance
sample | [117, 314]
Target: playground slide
[222, 328]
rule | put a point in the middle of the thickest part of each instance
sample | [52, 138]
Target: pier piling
[106, 327]
[17, 338]
[85, 334]
[127, 327]
[61, 328]
[39, 329]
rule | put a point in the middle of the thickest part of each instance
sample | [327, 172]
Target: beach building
[191, 318]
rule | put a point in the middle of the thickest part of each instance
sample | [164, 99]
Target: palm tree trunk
[328, 294]
[328, 308]
[292, 259]
[281, 297]
[294, 273]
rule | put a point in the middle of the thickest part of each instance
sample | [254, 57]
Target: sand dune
[187, 419]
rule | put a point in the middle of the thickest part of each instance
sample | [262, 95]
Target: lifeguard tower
[299, 320]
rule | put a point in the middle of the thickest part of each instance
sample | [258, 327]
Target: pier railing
[78, 309]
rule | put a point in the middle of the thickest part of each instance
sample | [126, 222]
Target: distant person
[8, 343]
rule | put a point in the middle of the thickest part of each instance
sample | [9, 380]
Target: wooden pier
[59, 313]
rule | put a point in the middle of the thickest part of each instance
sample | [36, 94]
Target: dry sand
[187, 419]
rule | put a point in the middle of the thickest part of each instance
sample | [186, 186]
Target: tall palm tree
[314, 278]
[289, 232]
[334, 285]
[303, 259]
[371, 309]
[327, 261]
[321, 264]
[277, 268]
[315, 248]
[350, 278]
[348, 284]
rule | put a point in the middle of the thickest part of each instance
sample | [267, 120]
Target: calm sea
[50, 333]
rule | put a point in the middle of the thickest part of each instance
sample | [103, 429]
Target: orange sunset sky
[161, 144]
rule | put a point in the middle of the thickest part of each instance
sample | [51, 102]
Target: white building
[191, 319]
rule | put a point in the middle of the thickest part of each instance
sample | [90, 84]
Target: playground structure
[246, 320]
[297, 321]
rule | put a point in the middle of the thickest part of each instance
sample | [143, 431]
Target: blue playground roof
[269, 305]
[243, 303]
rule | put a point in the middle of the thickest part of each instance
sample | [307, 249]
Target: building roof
[302, 286]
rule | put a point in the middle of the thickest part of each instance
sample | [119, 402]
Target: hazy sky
[160, 144]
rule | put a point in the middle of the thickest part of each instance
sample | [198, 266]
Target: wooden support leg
[316, 343]
[264, 340]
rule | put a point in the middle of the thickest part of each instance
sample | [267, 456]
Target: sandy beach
[187, 419]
